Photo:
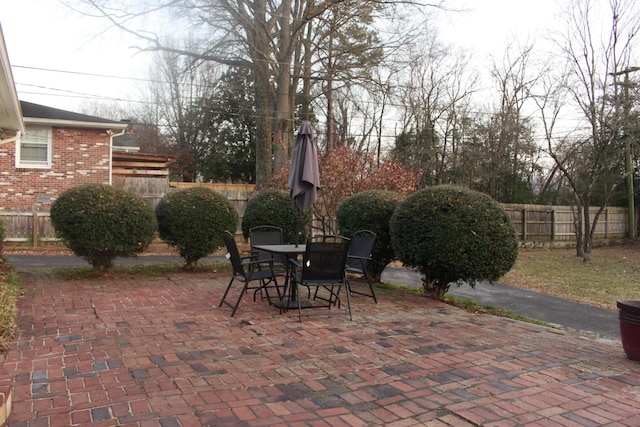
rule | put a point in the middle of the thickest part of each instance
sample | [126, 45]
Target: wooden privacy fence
[238, 195]
[35, 227]
[541, 225]
[535, 225]
[32, 227]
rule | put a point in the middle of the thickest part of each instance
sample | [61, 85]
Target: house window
[33, 149]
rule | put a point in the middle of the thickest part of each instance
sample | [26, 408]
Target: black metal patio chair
[323, 267]
[360, 250]
[267, 235]
[247, 270]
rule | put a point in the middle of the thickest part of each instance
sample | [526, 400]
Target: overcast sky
[43, 37]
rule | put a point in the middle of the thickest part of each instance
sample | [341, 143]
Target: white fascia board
[8, 94]
[74, 124]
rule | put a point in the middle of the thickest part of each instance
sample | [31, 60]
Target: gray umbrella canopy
[304, 173]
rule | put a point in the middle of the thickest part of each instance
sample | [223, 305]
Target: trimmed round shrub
[99, 222]
[192, 220]
[275, 208]
[453, 235]
[371, 210]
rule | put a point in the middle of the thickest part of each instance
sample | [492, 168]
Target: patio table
[290, 251]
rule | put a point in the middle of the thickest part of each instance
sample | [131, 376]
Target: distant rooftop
[36, 111]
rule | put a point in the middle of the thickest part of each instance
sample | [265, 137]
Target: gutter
[73, 123]
[111, 136]
[12, 139]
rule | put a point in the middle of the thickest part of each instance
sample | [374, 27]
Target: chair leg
[348, 291]
[242, 292]
[285, 297]
[332, 294]
[372, 294]
[224, 297]
[226, 292]
[275, 285]
[264, 285]
[298, 301]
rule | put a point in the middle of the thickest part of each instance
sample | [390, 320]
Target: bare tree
[432, 94]
[592, 154]
[261, 35]
[510, 152]
[177, 85]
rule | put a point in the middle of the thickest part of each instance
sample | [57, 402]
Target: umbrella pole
[297, 228]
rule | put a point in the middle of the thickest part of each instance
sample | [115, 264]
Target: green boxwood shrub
[371, 210]
[99, 222]
[453, 235]
[192, 220]
[274, 207]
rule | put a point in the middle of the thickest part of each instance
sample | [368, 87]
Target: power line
[79, 73]
[82, 95]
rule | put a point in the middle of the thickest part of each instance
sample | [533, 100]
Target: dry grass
[9, 294]
[613, 274]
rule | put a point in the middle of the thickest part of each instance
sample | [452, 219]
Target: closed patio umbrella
[304, 173]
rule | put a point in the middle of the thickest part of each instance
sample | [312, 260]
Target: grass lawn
[612, 274]
[9, 294]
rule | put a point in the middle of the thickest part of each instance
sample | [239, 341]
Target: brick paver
[132, 351]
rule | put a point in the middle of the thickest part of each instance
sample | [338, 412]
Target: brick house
[45, 151]
[58, 150]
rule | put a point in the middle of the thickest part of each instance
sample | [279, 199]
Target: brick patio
[132, 351]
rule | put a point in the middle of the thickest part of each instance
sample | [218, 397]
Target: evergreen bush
[274, 207]
[99, 222]
[371, 210]
[192, 220]
[453, 235]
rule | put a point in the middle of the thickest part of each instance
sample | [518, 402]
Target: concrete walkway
[133, 351]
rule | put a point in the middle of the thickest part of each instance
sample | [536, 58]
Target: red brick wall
[79, 156]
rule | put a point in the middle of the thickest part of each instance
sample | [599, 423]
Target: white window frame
[32, 163]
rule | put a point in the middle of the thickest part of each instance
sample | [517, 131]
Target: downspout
[12, 139]
[111, 136]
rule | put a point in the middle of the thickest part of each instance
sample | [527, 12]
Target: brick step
[5, 401]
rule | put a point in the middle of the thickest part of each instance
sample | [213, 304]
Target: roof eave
[8, 91]
[74, 123]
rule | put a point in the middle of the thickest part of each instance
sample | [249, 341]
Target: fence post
[553, 225]
[524, 224]
[35, 221]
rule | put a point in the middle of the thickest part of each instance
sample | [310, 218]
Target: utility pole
[627, 147]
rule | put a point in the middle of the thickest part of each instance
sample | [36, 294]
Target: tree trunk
[331, 133]
[102, 264]
[264, 133]
[283, 126]
[191, 265]
[305, 110]
[587, 235]
[258, 42]
[433, 288]
[579, 233]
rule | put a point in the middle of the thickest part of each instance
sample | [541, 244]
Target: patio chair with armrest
[323, 268]
[267, 235]
[247, 270]
[360, 250]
